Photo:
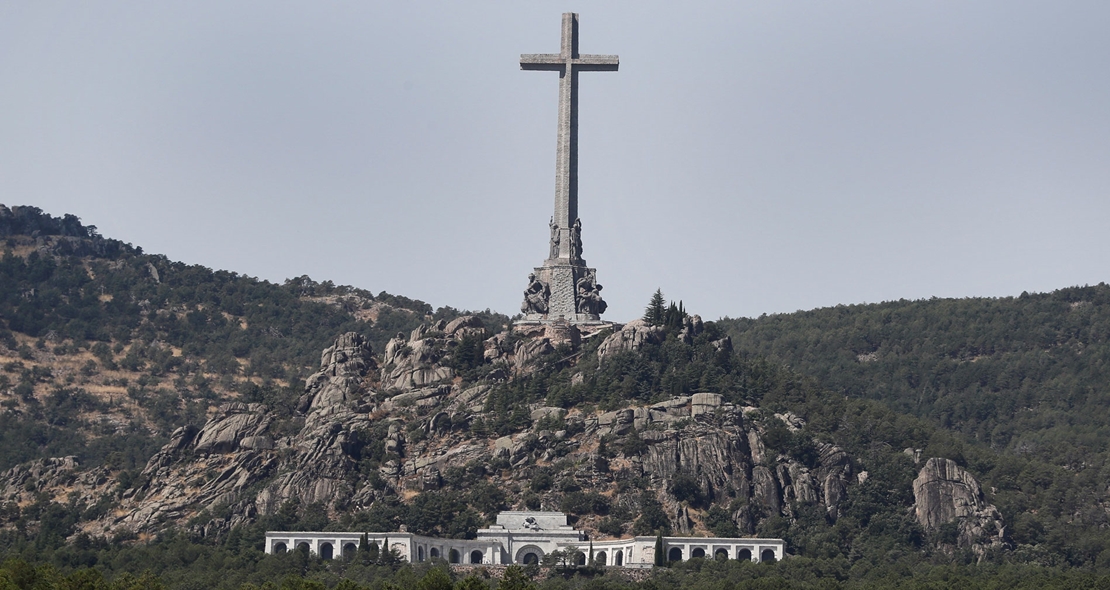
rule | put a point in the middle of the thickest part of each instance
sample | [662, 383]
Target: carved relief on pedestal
[561, 278]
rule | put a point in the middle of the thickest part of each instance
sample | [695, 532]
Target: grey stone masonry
[564, 289]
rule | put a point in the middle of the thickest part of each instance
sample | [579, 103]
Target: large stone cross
[568, 63]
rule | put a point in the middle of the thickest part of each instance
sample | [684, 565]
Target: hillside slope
[105, 350]
[152, 408]
[1027, 377]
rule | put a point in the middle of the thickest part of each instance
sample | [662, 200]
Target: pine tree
[659, 558]
[384, 556]
[674, 316]
[364, 549]
[656, 310]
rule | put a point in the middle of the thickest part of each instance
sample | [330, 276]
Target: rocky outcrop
[60, 477]
[945, 493]
[692, 326]
[526, 352]
[213, 466]
[233, 422]
[181, 440]
[418, 361]
[40, 473]
[343, 366]
[426, 437]
[633, 336]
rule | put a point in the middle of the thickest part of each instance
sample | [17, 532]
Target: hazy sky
[747, 158]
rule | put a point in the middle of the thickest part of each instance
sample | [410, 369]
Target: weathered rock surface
[342, 367]
[236, 465]
[946, 493]
[633, 336]
[233, 422]
[418, 361]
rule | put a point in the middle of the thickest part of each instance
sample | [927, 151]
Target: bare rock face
[236, 464]
[633, 336]
[235, 452]
[342, 368]
[233, 422]
[42, 471]
[724, 454]
[692, 326]
[22, 484]
[526, 352]
[418, 361]
[467, 325]
[945, 493]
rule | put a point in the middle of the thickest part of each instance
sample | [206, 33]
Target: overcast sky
[747, 158]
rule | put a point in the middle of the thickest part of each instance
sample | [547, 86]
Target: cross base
[563, 291]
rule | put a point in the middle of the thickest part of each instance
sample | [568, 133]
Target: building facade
[525, 538]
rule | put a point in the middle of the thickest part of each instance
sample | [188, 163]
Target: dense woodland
[1013, 389]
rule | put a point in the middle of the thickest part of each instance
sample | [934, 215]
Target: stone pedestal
[572, 294]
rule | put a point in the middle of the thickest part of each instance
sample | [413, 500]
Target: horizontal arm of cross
[554, 61]
[542, 61]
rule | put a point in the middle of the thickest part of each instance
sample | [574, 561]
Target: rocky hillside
[145, 399]
[404, 439]
[105, 350]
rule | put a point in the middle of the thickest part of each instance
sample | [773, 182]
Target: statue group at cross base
[575, 240]
[587, 296]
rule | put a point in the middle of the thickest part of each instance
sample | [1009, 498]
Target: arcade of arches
[525, 538]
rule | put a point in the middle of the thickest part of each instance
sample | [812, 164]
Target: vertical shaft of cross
[566, 153]
[568, 63]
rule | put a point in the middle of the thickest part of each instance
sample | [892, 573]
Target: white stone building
[525, 538]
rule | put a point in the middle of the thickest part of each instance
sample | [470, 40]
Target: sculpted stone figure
[554, 238]
[576, 240]
[589, 296]
[535, 296]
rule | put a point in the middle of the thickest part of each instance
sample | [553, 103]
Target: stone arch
[280, 547]
[349, 550]
[528, 555]
[580, 558]
[720, 554]
[453, 556]
[326, 551]
[303, 546]
[767, 556]
[420, 553]
[434, 553]
[476, 556]
[744, 555]
[618, 557]
[675, 554]
[697, 553]
[599, 558]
